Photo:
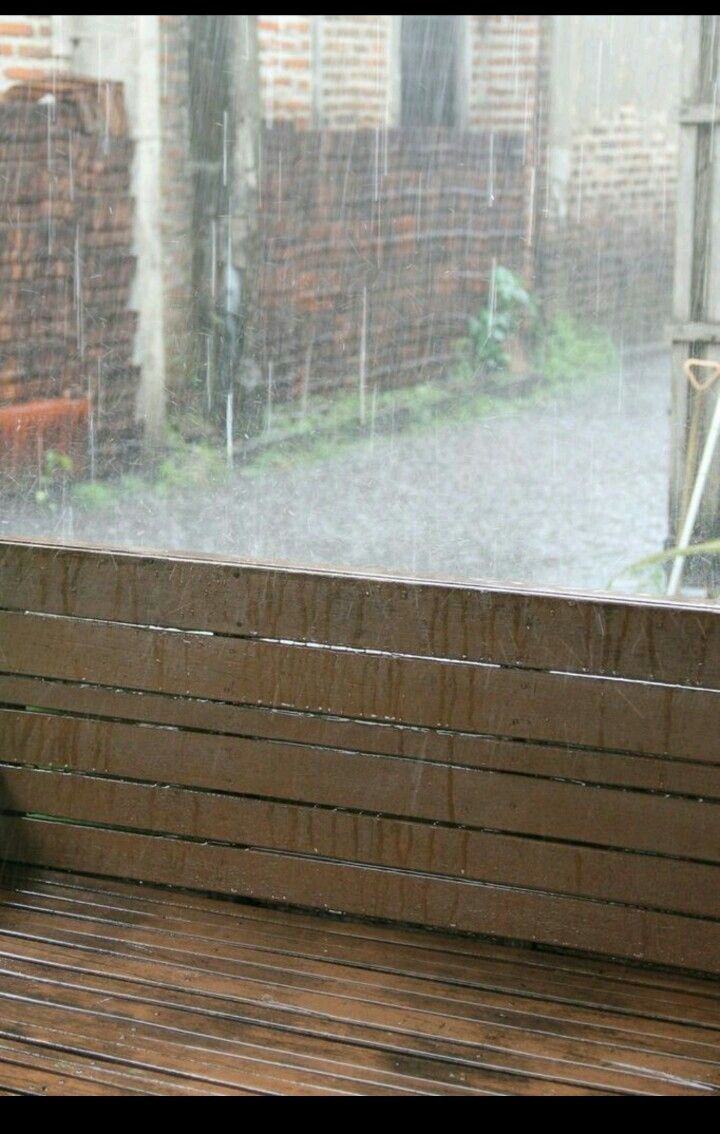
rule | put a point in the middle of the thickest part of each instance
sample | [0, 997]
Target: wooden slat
[347, 1019]
[693, 333]
[224, 1013]
[542, 1060]
[105, 1074]
[546, 866]
[542, 807]
[444, 747]
[190, 960]
[353, 940]
[543, 1057]
[411, 753]
[657, 720]
[220, 1047]
[243, 1064]
[95, 1036]
[45, 1012]
[28, 1080]
[413, 899]
[648, 640]
[216, 1069]
[230, 938]
[156, 974]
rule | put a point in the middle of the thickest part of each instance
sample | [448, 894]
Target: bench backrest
[528, 766]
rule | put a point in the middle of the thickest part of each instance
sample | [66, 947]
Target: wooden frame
[529, 766]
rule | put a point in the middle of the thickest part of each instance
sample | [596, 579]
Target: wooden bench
[283, 832]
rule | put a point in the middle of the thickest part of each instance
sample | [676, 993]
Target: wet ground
[563, 493]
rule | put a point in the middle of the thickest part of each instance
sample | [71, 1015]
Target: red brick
[22, 31]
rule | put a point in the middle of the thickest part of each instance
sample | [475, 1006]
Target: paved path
[561, 494]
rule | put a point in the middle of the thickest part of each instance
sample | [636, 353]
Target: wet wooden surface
[109, 988]
[644, 718]
[381, 748]
[654, 639]
[517, 766]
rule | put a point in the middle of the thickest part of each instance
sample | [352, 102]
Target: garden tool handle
[695, 364]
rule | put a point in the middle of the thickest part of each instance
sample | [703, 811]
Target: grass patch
[184, 465]
[571, 350]
[330, 425]
[478, 385]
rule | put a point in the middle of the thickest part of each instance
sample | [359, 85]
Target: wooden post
[696, 329]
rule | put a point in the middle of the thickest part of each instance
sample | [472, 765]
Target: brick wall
[505, 54]
[376, 249]
[509, 91]
[611, 259]
[342, 71]
[28, 48]
[333, 70]
[285, 45]
[66, 268]
[356, 71]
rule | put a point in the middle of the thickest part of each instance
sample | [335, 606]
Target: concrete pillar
[127, 49]
[150, 288]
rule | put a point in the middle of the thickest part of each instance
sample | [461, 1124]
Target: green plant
[652, 567]
[569, 349]
[93, 496]
[191, 465]
[56, 469]
[511, 310]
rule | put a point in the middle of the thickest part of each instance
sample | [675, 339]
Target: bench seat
[110, 988]
[274, 831]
